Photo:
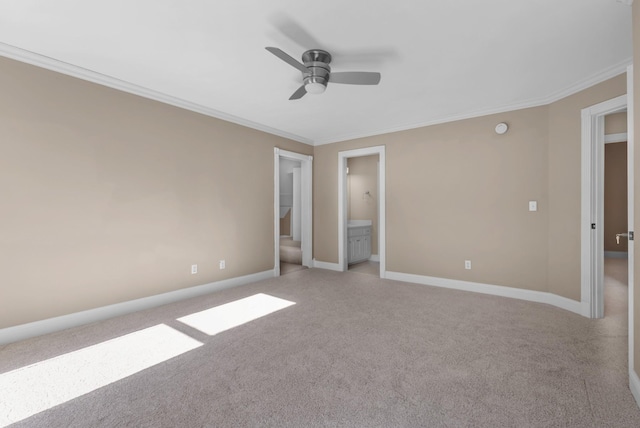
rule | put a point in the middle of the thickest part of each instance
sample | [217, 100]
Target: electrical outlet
[222, 264]
[194, 269]
[467, 264]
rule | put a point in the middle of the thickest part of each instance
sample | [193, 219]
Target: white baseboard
[496, 290]
[38, 328]
[326, 265]
[616, 254]
[634, 386]
[374, 258]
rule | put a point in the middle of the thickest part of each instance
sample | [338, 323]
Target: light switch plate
[533, 205]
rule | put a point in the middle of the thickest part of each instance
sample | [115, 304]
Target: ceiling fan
[316, 72]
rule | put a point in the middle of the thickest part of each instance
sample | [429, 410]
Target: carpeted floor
[358, 351]
[286, 268]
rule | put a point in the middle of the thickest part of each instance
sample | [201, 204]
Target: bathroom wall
[363, 178]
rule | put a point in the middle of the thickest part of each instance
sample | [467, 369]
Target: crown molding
[588, 82]
[48, 63]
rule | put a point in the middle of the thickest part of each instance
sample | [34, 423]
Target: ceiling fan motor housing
[317, 62]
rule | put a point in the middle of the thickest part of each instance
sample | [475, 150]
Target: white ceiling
[440, 59]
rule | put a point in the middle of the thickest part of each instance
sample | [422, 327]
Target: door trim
[342, 205]
[631, 213]
[306, 217]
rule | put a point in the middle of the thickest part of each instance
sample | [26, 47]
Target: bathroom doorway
[362, 215]
[355, 237]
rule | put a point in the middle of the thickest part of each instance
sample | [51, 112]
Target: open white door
[630, 199]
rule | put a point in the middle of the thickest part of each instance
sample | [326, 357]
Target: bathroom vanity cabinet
[359, 242]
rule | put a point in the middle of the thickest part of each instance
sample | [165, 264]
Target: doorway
[615, 215]
[362, 215]
[293, 220]
[592, 217]
[373, 203]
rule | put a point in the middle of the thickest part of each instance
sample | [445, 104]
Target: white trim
[306, 163]
[592, 205]
[111, 82]
[600, 77]
[38, 328]
[342, 204]
[634, 386]
[276, 211]
[121, 85]
[374, 258]
[616, 255]
[615, 138]
[327, 266]
[494, 290]
[630, 216]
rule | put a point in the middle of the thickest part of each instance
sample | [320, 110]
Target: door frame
[592, 257]
[306, 205]
[592, 226]
[343, 264]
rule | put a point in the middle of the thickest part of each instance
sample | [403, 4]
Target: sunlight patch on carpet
[41, 386]
[224, 317]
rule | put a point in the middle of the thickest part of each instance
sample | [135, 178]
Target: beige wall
[458, 191]
[285, 224]
[109, 197]
[363, 177]
[636, 189]
[615, 195]
[615, 123]
[565, 184]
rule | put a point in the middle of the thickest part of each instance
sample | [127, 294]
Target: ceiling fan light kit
[317, 62]
[316, 72]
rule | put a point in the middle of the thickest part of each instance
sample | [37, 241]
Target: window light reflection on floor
[224, 317]
[38, 387]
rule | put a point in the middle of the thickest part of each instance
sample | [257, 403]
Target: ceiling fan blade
[355, 77]
[288, 59]
[299, 93]
[296, 32]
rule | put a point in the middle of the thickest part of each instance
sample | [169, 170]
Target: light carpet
[358, 351]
